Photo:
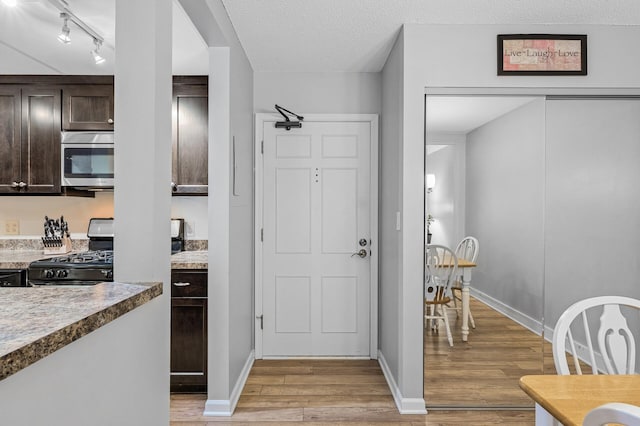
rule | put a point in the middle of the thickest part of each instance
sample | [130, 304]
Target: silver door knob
[362, 253]
[22, 184]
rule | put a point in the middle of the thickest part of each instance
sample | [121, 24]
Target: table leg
[466, 280]
[543, 418]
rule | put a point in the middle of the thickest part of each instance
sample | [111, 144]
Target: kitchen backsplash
[28, 213]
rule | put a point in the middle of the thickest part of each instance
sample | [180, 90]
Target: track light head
[63, 37]
[96, 52]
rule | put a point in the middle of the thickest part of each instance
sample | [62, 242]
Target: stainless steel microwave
[87, 160]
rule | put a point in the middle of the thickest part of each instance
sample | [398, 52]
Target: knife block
[56, 245]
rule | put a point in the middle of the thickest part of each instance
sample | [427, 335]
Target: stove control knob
[108, 273]
[62, 273]
[49, 273]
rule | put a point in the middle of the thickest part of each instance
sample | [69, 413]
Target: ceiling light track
[63, 7]
[68, 15]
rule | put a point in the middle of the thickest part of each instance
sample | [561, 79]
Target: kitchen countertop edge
[39, 348]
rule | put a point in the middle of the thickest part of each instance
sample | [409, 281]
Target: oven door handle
[181, 284]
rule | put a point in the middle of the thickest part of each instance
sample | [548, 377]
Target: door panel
[41, 140]
[293, 213]
[316, 207]
[9, 138]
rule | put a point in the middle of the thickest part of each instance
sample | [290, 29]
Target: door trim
[260, 120]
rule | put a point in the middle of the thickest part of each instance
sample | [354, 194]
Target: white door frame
[261, 119]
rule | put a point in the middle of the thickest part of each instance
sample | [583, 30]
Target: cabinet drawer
[188, 283]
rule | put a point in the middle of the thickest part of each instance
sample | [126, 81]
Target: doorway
[316, 253]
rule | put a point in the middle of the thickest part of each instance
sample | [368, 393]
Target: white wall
[321, 92]
[505, 207]
[107, 377]
[446, 202]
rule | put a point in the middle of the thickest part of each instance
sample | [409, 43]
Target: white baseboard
[405, 405]
[535, 326]
[526, 321]
[226, 407]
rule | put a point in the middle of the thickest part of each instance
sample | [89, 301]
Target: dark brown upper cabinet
[87, 107]
[29, 140]
[190, 140]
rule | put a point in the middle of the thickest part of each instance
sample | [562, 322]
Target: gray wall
[319, 93]
[390, 189]
[505, 206]
[230, 206]
[593, 202]
[241, 214]
[115, 375]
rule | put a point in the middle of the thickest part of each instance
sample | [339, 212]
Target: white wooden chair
[614, 412]
[440, 269]
[467, 249]
[616, 345]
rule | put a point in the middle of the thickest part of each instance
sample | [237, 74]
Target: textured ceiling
[357, 35]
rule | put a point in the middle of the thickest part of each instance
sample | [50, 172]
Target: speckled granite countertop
[35, 322]
[20, 259]
[190, 260]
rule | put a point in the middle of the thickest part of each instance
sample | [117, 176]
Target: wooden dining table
[568, 399]
[465, 266]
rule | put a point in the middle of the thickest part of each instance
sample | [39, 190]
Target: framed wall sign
[542, 54]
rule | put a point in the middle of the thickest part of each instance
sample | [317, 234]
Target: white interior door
[316, 294]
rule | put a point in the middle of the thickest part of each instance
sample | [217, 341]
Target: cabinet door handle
[15, 184]
[22, 184]
[181, 284]
[110, 121]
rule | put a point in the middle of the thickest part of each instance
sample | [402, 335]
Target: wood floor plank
[333, 379]
[344, 389]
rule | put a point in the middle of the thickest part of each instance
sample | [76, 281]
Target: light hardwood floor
[345, 392]
[484, 371]
[316, 392]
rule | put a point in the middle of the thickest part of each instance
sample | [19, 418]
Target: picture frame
[542, 54]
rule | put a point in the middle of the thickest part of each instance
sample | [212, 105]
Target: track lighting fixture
[64, 33]
[68, 15]
[96, 54]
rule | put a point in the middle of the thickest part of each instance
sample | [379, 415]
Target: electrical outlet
[12, 227]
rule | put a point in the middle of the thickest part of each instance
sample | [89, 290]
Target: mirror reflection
[485, 201]
[547, 186]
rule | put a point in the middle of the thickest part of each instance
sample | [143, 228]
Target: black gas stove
[83, 268]
[93, 266]
[86, 268]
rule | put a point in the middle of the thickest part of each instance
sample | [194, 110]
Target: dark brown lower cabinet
[188, 331]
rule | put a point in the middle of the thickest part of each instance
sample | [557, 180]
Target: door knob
[362, 253]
